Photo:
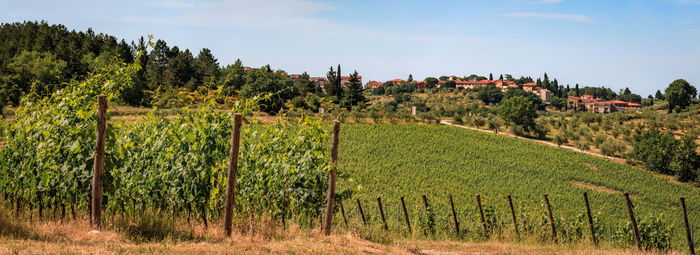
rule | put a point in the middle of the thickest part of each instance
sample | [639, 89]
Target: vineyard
[176, 165]
[393, 161]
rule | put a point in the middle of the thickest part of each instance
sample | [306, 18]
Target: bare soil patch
[600, 188]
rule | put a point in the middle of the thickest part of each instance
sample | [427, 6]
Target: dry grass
[79, 238]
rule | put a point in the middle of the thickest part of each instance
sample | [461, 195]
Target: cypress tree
[659, 95]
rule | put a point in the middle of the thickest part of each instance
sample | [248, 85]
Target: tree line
[38, 58]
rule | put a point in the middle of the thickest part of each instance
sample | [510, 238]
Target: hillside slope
[411, 160]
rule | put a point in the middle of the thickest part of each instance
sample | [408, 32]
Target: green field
[411, 160]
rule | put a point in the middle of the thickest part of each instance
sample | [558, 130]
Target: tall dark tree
[410, 77]
[232, 78]
[304, 85]
[500, 78]
[157, 62]
[134, 95]
[578, 92]
[489, 94]
[265, 81]
[354, 94]
[180, 70]
[490, 76]
[334, 87]
[206, 67]
[627, 91]
[431, 82]
[659, 95]
[679, 95]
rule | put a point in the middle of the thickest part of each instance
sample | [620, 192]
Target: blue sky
[643, 45]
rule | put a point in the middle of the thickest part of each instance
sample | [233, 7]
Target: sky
[643, 45]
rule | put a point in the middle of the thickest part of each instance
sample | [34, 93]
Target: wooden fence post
[342, 211]
[633, 220]
[515, 221]
[233, 172]
[481, 215]
[381, 213]
[688, 234]
[359, 207]
[330, 196]
[590, 218]
[405, 216]
[98, 168]
[454, 215]
[551, 218]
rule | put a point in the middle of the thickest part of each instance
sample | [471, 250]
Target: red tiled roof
[634, 104]
[530, 84]
[396, 80]
[617, 102]
[475, 82]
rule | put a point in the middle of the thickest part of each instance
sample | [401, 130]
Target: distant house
[529, 86]
[588, 103]
[320, 81]
[473, 84]
[396, 81]
[584, 102]
[544, 94]
[373, 84]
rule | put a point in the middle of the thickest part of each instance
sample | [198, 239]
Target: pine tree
[232, 78]
[490, 76]
[206, 68]
[304, 85]
[157, 62]
[578, 92]
[410, 77]
[500, 78]
[354, 94]
[180, 71]
[334, 86]
[627, 92]
[659, 95]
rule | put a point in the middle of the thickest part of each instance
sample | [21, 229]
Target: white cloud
[261, 14]
[278, 17]
[556, 16]
[164, 4]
